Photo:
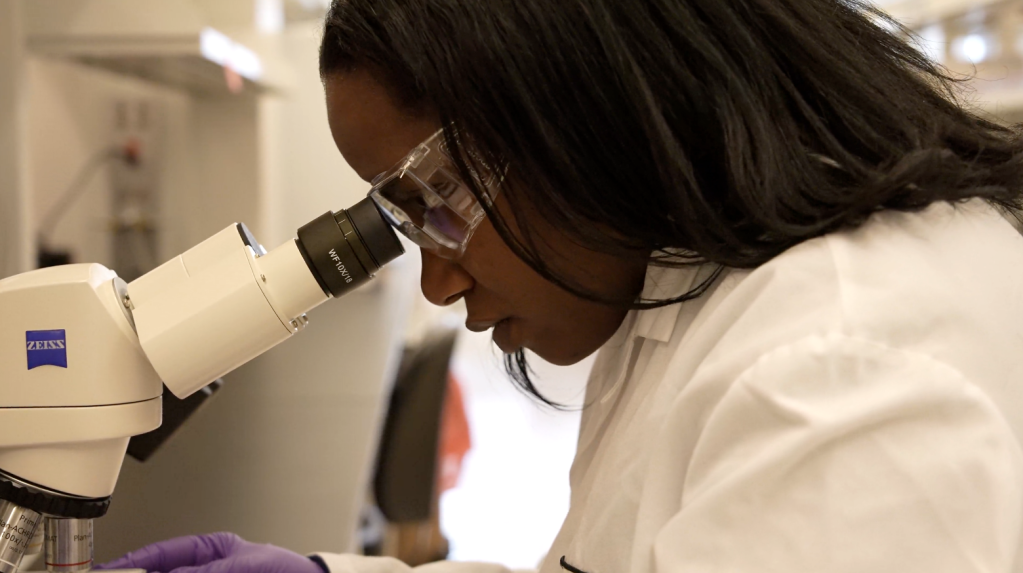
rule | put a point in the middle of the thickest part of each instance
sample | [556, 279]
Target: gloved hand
[214, 553]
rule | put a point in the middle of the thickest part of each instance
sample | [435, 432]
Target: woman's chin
[510, 337]
[504, 336]
[560, 359]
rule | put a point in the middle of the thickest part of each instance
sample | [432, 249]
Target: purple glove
[214, 553]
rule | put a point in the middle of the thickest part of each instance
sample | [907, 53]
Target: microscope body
[84, 358]
[75, 384]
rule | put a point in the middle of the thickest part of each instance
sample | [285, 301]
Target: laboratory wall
[71, 123]
[16, 252]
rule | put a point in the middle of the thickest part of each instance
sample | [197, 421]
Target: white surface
[855, 404]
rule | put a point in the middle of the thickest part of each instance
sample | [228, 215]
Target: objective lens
[17, 526]
[345, 249]
[68, 545]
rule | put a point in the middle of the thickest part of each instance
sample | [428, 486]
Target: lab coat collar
[663, 283]
[653, 324]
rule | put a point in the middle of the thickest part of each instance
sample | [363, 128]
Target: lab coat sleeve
[843, 455]
[338, 563]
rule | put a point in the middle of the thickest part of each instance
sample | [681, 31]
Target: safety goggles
[425, 199]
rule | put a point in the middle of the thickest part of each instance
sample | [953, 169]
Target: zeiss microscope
[84, 357]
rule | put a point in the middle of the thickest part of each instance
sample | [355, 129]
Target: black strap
[319, 561]
[565, 565]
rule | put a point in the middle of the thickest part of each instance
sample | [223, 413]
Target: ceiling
[921, 12]
[305, 10]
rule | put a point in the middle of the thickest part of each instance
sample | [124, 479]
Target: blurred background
[132, 130]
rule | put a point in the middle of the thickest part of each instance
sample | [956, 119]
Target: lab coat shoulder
[946, 283]
[852, 405]
[833, 453]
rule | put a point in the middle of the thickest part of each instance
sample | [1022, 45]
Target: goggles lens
[424, 198]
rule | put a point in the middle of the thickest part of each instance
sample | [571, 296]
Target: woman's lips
[482, 325]
[502, 332]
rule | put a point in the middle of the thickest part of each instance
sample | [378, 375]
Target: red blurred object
[132, 151]
[235, 83]
[455, 439]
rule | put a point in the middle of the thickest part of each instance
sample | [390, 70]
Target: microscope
[84, 357]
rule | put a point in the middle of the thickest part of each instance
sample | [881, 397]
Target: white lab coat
[854, 405]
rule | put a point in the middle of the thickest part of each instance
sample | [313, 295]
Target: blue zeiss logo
[46, 348]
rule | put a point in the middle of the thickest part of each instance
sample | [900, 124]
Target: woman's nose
[444, 281]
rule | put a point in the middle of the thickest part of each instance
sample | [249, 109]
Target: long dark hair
[683, 131]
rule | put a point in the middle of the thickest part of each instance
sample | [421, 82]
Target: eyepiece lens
[345, 249]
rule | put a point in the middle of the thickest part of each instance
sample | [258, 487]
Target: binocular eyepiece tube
[227, 300]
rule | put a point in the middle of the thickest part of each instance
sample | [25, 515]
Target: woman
[774, 220]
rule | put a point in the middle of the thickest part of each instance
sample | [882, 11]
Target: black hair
[682, 131]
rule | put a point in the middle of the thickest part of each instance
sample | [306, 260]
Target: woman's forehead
[370, 129]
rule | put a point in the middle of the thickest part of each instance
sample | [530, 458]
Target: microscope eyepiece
[345, 249]
[377, 234]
